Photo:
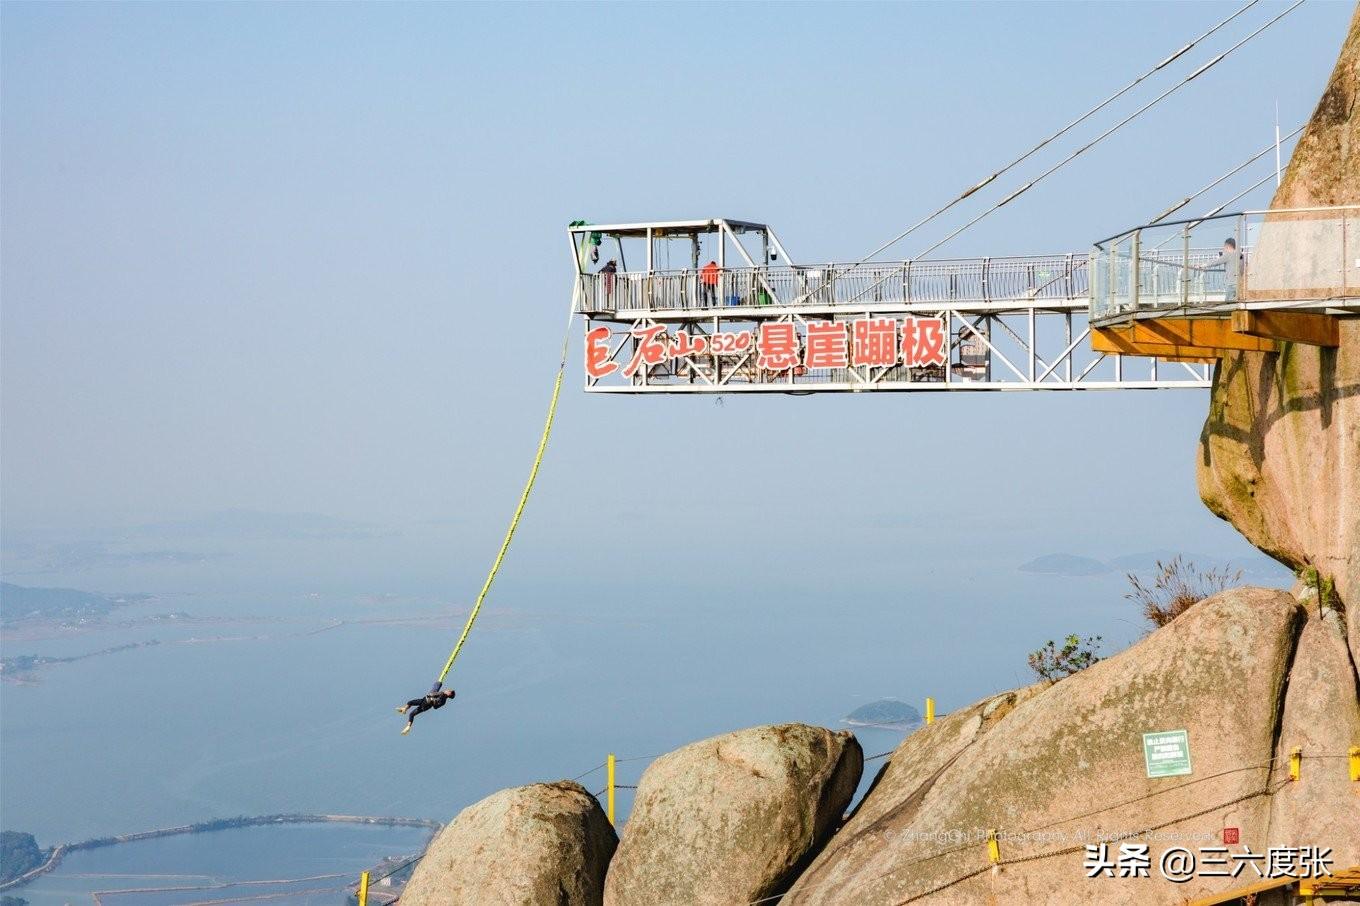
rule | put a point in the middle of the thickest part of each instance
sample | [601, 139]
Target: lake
[299, 864]
[283, 700]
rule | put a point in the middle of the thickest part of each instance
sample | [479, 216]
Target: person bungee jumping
[432, 700]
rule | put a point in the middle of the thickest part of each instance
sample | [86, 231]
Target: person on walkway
[1230, 262]
[708, 283]
[430, 701]
[610, 269]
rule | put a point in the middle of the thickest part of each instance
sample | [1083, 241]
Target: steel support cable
[1082, 150]
[398, 867]
[523, 501]
[1176, 55]
[1233, 172]
[1251, 188]
[602, 765]
[1191, 224]
[579, 777]
[1113, 129]
[1209, 215]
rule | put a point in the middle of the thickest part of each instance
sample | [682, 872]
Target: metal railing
[1291, 256]
[1046, 277]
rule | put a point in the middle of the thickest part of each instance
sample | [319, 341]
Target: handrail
[1206, 217]
[1039, 277]
[1133, 272]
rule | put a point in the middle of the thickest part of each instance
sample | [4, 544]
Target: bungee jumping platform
[720, 306]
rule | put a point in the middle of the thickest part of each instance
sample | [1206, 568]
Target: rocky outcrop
[1053, 768]
[733, 818]
[1279, 456]
[548, 843]
[1325, 166]
[1320, 718]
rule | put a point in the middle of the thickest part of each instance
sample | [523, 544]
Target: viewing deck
[1272, 275]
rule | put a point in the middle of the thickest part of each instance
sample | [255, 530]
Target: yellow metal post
[609, 771]
[930, 710]
[1355, 763]
[363, 889]
[1295, 762]
[993, 848]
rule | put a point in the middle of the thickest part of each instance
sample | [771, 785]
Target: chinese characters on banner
[779, 345]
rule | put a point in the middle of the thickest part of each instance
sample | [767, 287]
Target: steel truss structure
[999, 323]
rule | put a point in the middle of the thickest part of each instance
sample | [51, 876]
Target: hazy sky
[263, 260]
[310, 258]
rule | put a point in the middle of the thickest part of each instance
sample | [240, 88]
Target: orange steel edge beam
[1290, 326]
[1177, 338]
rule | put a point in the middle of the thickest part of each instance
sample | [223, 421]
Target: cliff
[1279, 456]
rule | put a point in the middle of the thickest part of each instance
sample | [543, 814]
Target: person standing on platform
[708, 283]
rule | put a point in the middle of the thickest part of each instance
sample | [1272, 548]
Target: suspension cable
[1056, 135]
[1113, 129]
[1253, 187]
[1233, 172]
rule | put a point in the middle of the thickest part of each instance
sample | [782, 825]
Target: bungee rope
[519, 509]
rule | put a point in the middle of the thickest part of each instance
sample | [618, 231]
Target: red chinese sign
[780, 346]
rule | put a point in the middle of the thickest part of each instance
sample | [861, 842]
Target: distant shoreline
[203, 827]
[884, 725]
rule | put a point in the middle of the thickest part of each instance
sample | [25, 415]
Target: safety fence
[1291, 256]
[1051, 277]
[991, 846]
[611, 762]
[991, 849]
[367, 880]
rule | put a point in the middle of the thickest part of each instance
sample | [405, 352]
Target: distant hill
[19, 854]
[1066, 565]
[886, 712]
[19, 603]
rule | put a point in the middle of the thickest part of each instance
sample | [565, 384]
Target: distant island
[21, 666]
[19, 855]
[1066, 565]
[21, 604]
[888, 713]
[21, 860]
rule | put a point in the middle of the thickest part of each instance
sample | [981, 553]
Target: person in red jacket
[708, 283]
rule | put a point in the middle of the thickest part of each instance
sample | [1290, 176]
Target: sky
[310, 259]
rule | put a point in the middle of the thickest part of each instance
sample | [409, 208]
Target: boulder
[1321, 719]
[1052, 768]
[1279, 456]
[733, 818]
[547, 843]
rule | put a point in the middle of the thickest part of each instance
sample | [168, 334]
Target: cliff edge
[1279, 456]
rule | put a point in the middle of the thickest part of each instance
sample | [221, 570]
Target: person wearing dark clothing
[430, 701]
[609, 270]
[1230, 262]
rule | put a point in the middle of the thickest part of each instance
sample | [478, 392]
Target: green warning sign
[1167, 753]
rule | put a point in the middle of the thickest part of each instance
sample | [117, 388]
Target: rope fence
[1292, 759]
